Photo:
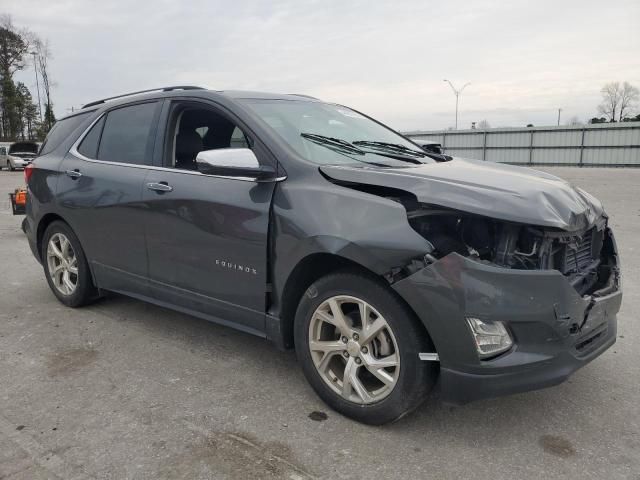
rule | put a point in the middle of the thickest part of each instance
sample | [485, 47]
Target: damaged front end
[518, 283]
[554, 294]
[585, 257]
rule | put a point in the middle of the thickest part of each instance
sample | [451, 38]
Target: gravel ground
[122, 389]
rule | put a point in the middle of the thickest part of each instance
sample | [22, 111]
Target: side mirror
[234, 162]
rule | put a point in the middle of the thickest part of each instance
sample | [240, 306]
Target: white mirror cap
[229, 157]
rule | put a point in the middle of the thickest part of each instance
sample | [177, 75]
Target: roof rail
[161, 89]
[303, 95]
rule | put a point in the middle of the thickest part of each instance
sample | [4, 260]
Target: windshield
[332, 134]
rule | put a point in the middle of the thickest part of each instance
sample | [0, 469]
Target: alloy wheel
[353, 349]
[62, 263]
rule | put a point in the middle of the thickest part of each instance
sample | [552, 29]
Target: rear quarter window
[61, 130]
[89, 145]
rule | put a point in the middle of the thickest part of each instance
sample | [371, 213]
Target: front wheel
[358, 345]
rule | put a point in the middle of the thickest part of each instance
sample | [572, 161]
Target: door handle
[73, 173]
[159, 187]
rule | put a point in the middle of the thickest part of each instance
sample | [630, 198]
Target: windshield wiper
[390, 146]
[337, 143]
[339, 146]
[438, 157]
[392, 150]
[380, 148]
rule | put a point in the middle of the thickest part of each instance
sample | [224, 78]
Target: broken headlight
[492, 338]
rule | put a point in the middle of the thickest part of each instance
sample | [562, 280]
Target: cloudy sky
[524, 59]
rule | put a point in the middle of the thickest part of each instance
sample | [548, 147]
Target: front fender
[316, 216]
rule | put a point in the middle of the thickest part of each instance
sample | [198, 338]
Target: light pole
[35, 67]
[457, 94]
[559, 110]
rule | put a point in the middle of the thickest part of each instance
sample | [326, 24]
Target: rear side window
[126, 134]
[61, 130]
[89, 145]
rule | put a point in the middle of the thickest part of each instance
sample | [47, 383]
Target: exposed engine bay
[584, 257]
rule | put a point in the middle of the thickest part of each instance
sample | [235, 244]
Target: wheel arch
[304, 273]
[44, 222]
[308, 270]
[47, 220]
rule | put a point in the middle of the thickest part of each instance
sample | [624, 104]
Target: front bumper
[19, 163]
[555, 330]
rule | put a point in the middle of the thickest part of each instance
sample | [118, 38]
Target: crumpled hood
[494, 190]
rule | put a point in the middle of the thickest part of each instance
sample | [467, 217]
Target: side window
[3, 151]
[197, 129]
[126, 134]
[89, 145]
[61, 130]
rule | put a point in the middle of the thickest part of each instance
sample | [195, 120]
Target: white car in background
[18, 155]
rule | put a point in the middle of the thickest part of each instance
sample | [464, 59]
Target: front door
[207, 235]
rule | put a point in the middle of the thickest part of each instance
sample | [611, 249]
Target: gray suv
[318, 228]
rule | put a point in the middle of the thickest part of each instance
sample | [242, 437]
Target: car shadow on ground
[499, 418]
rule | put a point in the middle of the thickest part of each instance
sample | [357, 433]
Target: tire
[84, 291]
[406, 385]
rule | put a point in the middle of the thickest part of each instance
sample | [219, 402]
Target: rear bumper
[30, 233]
[555, 330]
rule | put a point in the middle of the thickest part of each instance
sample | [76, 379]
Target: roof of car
[164, 92]
[267, 95]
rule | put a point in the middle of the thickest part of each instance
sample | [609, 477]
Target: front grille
[581, 253]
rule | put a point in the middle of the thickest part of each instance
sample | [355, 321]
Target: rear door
[100, 194]
[207, 235]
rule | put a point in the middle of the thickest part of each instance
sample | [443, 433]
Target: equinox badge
[235, 266]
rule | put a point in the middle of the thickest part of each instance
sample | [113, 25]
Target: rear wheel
[358, 345]
[65, 266]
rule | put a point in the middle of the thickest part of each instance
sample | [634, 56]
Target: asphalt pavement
[123, 389]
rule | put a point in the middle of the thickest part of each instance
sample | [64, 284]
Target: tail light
[28, 171]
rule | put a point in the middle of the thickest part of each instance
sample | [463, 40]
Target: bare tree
[628, 99]
[483, 124]
[14, 45]
[610, 101]
[43, 55]
[618, 99]
[13, 48]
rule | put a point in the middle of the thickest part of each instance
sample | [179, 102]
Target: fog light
[491, 338]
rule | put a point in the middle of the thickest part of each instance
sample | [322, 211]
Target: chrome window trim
[74, 151]
[74, 147]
